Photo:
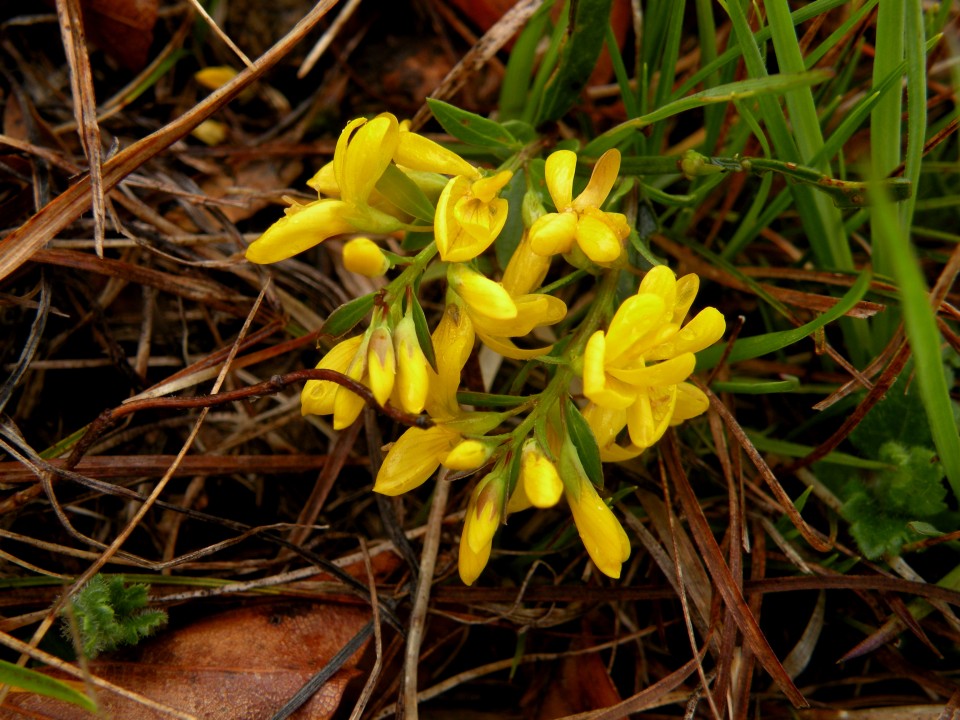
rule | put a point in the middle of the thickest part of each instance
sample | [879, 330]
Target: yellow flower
[364, 150]
[468, 455]
[318, 395]
[497, 316]
[453, 342]
[213, 77]
[413, 380]
[413, 458]
[617, 377]
[211, 132]
[538, 475]
[416, 152]
[599, 234]
[381, 363]
[364, 257]
[470, 216]
[526, 269]
[480, 525]
[600, 531]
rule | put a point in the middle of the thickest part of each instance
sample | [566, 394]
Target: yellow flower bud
[211, 132]
[381, 364]
[452, 343]
[600, 531]
[480, 525]
[318, 395]
[468, 455]
[364, 257]
[347, 405]
[213, 77]
[541, 482]
[526, 270]
[413, 380]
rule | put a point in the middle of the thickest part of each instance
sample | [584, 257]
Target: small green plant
[110, 614]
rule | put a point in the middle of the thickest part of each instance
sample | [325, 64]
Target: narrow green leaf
[751, 347]
[37, 682]
[345, 317]
[423, 333]
[923, 335]
[519, 74]
[753, 386]
[403, 192]
[586, 444]
[578, 57]
[472, 128]
[771, 84]
[799, 450]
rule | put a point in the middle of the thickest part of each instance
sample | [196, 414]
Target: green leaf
[898, 416]
[586, 444]
[876, 532]
[752, 386]
[423, 332]
[40, 684]
[345, 317]
[405, 194]
[472, 128]
[923, 335]
[516, 80]
[578, 57]
[110, 614]
[915, 488]
[772, 84]
[751, 347]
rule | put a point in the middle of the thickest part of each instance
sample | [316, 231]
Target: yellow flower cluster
[634, 362]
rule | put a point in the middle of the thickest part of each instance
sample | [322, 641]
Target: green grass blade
[578, 57]
[885, 122]
[922, 333]
[756, 346]
[40, 684]
[519, 73]
[754, 87]
[807, 12]
[916, 104]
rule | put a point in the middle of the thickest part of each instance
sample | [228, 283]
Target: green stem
[398, 286]
[559, 385]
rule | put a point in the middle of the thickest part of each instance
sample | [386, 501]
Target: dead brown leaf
[239, 664]
[121, 28]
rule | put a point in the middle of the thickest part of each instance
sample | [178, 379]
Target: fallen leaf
[241, 664]
[123, 29]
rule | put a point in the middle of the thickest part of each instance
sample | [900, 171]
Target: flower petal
[636, 318]
[526, 269]
[600, 531]
[480, 293]
[309, 225]
[691, 402]
[419, 153]
[538, 475]
[413, 458]
[669, 372]
[553, 233]
[602, 179]
[560, 168]
[649, 416]
[597, 239]
[317, 395]
[701, 332]
[367, 155]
